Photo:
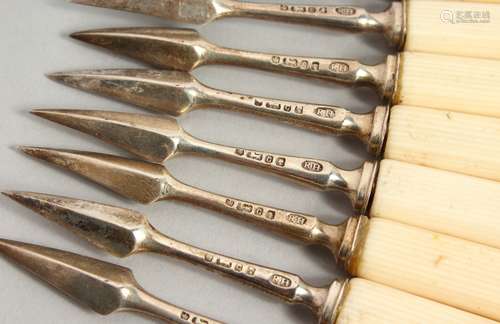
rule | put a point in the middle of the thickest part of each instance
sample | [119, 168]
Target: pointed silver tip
[57, 76]
[21, 197]
[6, 245]
[83, 35]
[38, 152]
[11, 194]
[94, 3]
[44, 113]
[30, 150]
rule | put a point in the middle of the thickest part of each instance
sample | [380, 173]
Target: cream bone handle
[457, 142]
[462, 28]
[366, 302]
[442, 268]
[485, 1]
[441, 201]
[461, 84]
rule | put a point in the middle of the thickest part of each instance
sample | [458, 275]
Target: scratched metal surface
[35, 41]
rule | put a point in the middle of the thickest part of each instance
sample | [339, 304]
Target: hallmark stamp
[339, 67]
[296, 63]
[296, 219]
[346, 11]
[312, 166]
[262, 157]
[281, 281]
[323, 112]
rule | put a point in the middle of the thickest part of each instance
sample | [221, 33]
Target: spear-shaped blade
[117, 230]
[93, 283]
[152, 138]
[140, 181]
[149, 182]
[175, 49]
[286, 285]
[391, 22]
[299, 226]
[170, 92]
[176, 93]
[184, 11]
[185, 50]
[104, 287]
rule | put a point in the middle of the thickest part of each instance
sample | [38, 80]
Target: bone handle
[325, 118]
[441, 201]
[389, 22]
[307, 229]
[148, 304]
[452, 83]
[442, 268]
[452, 141]
[346, 72]
[367, 302]
[356, 184]
[287, 286]
[482, 1]
[471, 29]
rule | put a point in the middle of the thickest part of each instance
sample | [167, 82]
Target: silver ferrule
[387, 81]
[361, 197]
[396, 24]
[378, 135]
[333, 303]
[353, 242]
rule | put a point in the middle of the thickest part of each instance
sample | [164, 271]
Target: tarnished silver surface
[352, 244]
[185, 50]
[105, 288]
[390, 23]
[177, 93]
[41, 40]
[147, 182]
[106, 226]
[158, 139]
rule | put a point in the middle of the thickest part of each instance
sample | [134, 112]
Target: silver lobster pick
[176, 93]
[390, 23]
[157, 139]
[185, 50]
[123, 232]
[105, 288]
[147, 183]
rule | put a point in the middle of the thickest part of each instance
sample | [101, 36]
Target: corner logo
[465, 17]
